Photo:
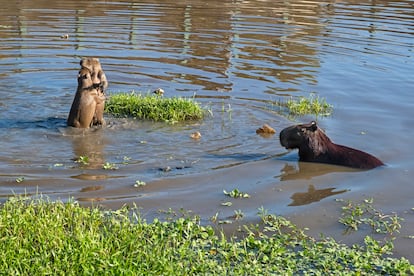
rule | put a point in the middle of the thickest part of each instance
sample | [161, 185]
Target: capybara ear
[313, 126]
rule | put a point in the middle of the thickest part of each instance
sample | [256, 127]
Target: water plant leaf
[235, 193]
[139, 183]
[109, 166]
[83, 160]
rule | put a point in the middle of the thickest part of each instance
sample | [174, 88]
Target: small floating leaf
[225, 221]
[83, 160]
[109, 166]
[235, 193]
[139, 183]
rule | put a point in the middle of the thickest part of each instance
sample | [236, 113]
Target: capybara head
[95, 68]
[304, 136]
[84, 79]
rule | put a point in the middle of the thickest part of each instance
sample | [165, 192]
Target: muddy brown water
[236, 58]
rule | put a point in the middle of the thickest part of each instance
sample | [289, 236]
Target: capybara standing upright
[315, 146]
[84, 104]
[99, 81]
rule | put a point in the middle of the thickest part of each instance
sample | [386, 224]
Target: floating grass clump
[311, 105]
[153, 107]
[40, 237]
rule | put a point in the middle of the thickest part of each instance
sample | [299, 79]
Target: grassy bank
[153, 107]
[40, 237]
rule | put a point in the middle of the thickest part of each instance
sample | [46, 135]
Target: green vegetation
[356, 215]
[311, 105]
[139, 183]
[235, 193]
[109, 166]
[41, 237]
[20, 179]
[153, 107]
[83, 159]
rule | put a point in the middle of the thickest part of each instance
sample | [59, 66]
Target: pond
[236, 58]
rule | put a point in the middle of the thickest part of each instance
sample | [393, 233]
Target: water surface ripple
[236, 58]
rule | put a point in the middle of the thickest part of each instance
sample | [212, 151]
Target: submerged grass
[42, 237]
[153, 107]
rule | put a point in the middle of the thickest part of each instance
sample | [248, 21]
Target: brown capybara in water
[87, 98]
[315, 146]
[99, 81]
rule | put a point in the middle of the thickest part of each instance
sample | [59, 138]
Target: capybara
[315, 146]
[99, 81]
[87, 98]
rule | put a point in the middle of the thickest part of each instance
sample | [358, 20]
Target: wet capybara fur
[315, 146]
[100, 82]
[87, 98]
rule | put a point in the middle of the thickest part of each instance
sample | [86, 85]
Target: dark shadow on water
[313, 195]
[48, 123]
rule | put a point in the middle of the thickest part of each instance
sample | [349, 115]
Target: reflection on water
[91, 188]
[309, 170]
[237, 58]
[313, 195]
[88, 143]
[256, 47]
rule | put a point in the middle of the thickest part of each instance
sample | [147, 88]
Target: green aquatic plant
[238, 214]
[235, 193]
[83, 159]
[19, 179]
[109, 166]
[139, 183]
[309, 105]
[153, 107]
[41, 237]
[356, 215]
